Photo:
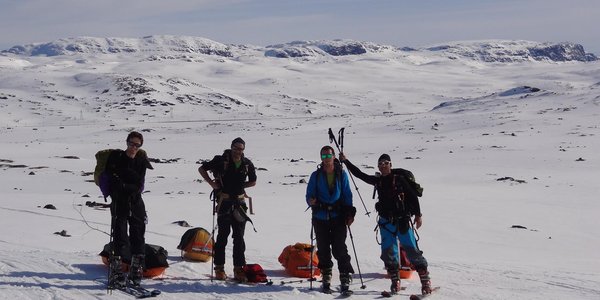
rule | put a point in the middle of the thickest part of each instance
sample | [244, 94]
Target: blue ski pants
[391, 233]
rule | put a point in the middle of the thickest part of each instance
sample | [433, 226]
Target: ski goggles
[384, 163]
[132, 144]
[324, 156]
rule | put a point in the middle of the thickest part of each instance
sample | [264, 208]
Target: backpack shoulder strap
[226, 157]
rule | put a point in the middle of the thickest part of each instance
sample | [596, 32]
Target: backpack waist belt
[225, 196]
[336, 206]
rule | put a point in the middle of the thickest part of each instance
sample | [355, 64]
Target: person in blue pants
[397, 204]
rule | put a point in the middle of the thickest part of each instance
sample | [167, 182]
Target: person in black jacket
[127, 172]
[232, 173]
[397, 203]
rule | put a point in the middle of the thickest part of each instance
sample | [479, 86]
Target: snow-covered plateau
[502, 135]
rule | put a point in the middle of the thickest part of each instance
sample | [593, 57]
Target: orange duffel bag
[296, 260]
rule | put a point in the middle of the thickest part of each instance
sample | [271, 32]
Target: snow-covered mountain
[488, 51]
[149, 45]
[515, 51]
[97, 76]
[326, 48]
[503, 137]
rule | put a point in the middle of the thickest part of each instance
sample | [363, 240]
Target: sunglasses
[132, 144]
[384, 163]
[237, 148]
[324, 156]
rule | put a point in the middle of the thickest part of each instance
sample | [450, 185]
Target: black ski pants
[227, 224]
[331, 239]
[128, 211]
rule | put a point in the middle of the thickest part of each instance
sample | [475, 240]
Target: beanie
[384, 157]
[238, 140]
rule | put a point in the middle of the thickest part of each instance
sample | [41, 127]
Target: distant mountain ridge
[95, 45]
[492, 51]
[515, 51]
[330, 47]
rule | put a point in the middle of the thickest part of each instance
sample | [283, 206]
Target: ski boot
[239, 275]
[116, 277]
[425, 281]
[326, 275]
[220, 272]
[395, 286]
[136, 270]
[345, 283]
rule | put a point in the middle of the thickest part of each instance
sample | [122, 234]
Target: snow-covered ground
[494, 145]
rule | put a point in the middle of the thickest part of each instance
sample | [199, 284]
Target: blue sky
[264, 22]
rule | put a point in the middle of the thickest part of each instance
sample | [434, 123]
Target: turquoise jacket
[329, 204]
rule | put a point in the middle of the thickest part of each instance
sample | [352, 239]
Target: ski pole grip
[250, 205]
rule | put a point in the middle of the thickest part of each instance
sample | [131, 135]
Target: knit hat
[238, 140]
[384, 157]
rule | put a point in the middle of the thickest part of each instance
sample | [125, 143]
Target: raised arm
[354, 170]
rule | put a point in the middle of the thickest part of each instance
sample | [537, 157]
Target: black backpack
[416, 188]
[155, 261]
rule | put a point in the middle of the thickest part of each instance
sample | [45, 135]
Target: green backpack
[102, 179]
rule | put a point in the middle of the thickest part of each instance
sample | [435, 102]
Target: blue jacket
[340, 197]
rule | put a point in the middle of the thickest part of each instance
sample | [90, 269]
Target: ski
[327, 291]
[342, 294]
[233, 281]
[419, 297]
[346, 294]
[138, 292]
[388, 294]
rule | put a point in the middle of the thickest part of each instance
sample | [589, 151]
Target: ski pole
[292, 281]
[210, 236]
[111, 245]
[363, 286]
[332, 139]
[213, 196]
[368, 213]
[341, 138]
[312, 252]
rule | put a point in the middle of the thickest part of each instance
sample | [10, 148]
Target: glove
[349, 211]
[349, 221]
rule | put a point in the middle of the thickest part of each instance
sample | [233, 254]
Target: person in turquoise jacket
[329, 195]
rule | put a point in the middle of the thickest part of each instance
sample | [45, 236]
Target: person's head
[384, 163]
[238, 145]
[327, 156]
[134, 140]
